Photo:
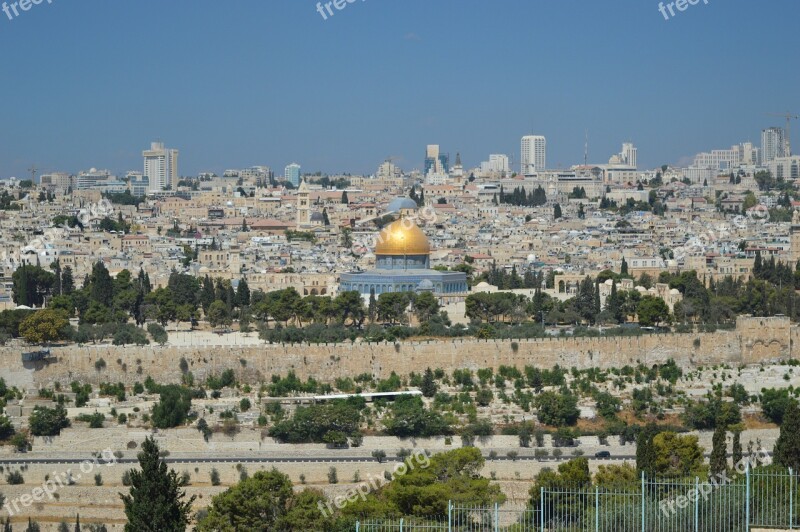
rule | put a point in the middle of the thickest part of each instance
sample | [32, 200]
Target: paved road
[286, 459]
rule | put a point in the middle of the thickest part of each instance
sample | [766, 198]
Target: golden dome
[402, 237]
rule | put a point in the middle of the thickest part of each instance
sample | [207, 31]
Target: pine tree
[156, 502]
[787, 447]
[719, 451]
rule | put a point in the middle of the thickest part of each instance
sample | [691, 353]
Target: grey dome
[401, 204]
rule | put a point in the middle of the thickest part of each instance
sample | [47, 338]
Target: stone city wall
[754, 340]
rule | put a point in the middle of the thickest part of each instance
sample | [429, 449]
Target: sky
[237, 83]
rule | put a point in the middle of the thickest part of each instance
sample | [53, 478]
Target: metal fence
[765, 498]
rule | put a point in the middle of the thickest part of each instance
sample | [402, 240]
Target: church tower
[303, 205]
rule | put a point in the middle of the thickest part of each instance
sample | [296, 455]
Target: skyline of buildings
[162, 163]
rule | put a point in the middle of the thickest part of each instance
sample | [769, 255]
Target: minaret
[458, 169]
[303, 205]
[794, 233]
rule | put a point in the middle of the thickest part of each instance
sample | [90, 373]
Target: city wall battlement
[754, 340]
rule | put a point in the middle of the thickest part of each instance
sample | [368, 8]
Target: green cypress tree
[428, 387]
[7, 525]
[78, 523]
[156, 502]
[372, 310]
[102, 287]
[787, 447]
[737, 447]
[645, 452]
[243, 293]
[718, 460]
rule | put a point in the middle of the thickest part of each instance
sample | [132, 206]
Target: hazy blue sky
[234, 83]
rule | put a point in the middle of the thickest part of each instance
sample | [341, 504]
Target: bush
[126, 478]
[484, 397]
[244, 404]
[214, 477]
[48, 421]
[333, 477]
[557, 409]
[130, 334]
[14, 478]
[173, 406]
[379, 455]
[157, 333]
[98, 479]
[226, 380]
[95, 420]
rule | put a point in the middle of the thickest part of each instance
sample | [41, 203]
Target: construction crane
[788, 142]
[33, 171]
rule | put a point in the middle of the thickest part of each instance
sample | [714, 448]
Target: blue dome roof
[401, 204]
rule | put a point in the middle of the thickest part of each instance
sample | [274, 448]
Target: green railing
[765, 498]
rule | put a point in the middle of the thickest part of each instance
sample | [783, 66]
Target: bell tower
[303, 205]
